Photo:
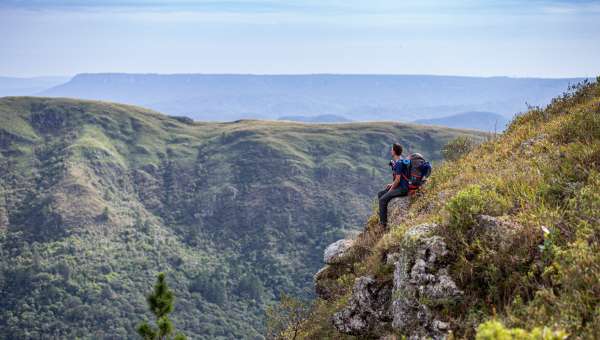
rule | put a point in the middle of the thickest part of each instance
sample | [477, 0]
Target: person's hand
[388, 186]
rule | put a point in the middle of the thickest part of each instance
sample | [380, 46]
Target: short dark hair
[397, 148]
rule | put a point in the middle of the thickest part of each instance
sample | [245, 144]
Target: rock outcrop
[408, 303]
[336, 252]
[368, 310]
[398, 210]
[336, 256]
[340, 255]
[421, 283]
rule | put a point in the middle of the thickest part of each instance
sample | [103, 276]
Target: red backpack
[420, 169]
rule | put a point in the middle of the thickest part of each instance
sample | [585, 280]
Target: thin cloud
[181, 5]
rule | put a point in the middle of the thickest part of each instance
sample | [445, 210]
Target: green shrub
[458, 147]
[472, 201]
[488, 266]
[574, 285]
[494, 330]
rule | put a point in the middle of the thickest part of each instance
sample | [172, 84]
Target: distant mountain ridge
[316, 119]
[484, 121]
[228, 97]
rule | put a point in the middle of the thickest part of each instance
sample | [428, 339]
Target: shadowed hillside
[96, 198]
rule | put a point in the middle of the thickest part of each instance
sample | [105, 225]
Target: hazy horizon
[290, 74]
[524, 39]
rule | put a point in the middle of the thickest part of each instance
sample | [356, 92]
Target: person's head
[396, 150]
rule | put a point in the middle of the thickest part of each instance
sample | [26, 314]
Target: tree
[161, 302]
[250, 286]
[285, 320]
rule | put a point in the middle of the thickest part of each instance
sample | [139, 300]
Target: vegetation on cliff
[520, 217]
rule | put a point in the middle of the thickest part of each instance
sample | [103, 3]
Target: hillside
[227, 97]
[316, 119]
[484, 121]
[96, 198]
[507, 236]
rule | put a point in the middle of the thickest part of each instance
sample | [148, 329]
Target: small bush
[285, 320]
[472, 201]
[494, 330]
[458, 147]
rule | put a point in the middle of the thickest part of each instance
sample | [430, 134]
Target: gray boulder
[336, 258]
[337, 252]
[398, 210]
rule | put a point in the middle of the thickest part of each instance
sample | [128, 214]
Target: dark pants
[385, 196]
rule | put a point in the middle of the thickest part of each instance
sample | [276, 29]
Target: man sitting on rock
[399, 187]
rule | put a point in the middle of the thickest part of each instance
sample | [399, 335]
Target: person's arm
[396, 183]
[388, 186]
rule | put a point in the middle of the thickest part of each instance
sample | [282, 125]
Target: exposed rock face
[336, 252]
[336, 256]
[367, 311]
[398, 210]
[407, 303]
[421, 281]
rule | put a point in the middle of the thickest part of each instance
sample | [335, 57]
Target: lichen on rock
[406, 304]
[421, 281]
[367, 312]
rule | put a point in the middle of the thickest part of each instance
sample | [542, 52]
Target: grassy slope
[543, 172]
[97, 197]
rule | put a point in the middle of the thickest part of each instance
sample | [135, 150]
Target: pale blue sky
[480, 38]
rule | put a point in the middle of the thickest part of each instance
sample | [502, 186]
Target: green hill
[506, 236]
[96, 198]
